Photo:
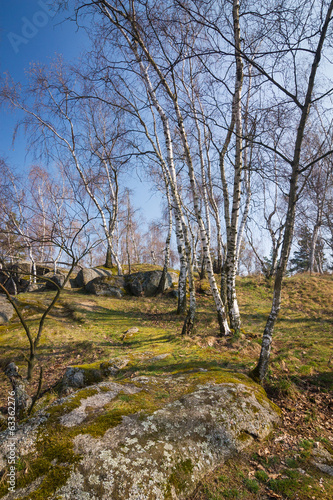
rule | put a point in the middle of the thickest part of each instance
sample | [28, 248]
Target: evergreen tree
[300, 262]
[301, 259]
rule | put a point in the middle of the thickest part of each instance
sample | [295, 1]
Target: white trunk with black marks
[216, 216]
[260, 371]
[313, 246]
[202, 167]
[232, 231]
[33, 277]
[247, 188]
[318, 224]
[204, 191]
[247, 160]
[162, 282]
[183, 264]
[188, 325]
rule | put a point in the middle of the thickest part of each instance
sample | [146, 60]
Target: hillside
[85, 330]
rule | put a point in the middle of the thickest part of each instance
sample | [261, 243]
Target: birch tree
[292, 40]
[126, 20]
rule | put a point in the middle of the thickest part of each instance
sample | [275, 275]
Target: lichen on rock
[126, 444]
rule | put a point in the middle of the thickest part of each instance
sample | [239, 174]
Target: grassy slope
[85, 329]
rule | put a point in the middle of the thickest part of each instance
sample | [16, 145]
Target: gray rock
[328, 469]
[157, 358]
[35, 287]
[108, 286]
[113, 366]
[86, 375]
[323, 459]
[6, 310]
[157, 456]
[42, 269]
[10, 282]
[146, 283]
[173, 293]
[109, 391]
[165, 455]
[175, 277]
[22, 267]
[129, 333]
[54, 281]
[86, 275]
[18, 383]
[79, 376]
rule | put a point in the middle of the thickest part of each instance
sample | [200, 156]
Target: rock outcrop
[108, 286]
[53, 281]
[84, 276]
[6, 310]
[103, 282]
[120, 441]
[146, 283]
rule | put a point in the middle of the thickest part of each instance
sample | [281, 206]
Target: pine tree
[300, 262]
[301, 259]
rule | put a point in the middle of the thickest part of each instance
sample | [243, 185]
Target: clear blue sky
[30, 31]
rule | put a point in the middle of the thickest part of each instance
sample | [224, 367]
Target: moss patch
[180, 475]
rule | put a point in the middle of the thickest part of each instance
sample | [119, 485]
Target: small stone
[328, 469]
[134, 329]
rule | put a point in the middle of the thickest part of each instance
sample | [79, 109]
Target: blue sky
[30, 31]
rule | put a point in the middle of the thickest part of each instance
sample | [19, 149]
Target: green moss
[54, 455]
[285, 486]
[103, 423]
[243, 437]
[180, 475]
[70, 404]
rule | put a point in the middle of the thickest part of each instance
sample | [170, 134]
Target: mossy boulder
[146, 283]
[53, 281]
[6, 310]
[108, 286]
[84, 276]
[85, 375]
[120, 441]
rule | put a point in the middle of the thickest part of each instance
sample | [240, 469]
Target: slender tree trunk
[183, 242]
[222, 319]
[232, 231]
[108, 258]
[161, 285]
[313, 246]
